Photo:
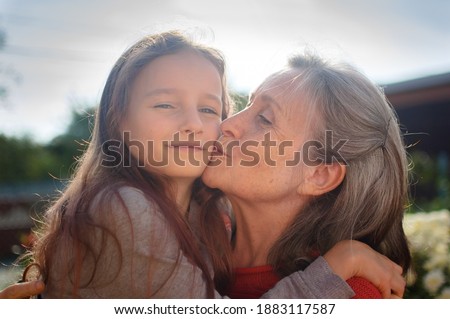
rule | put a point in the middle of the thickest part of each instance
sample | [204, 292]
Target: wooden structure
[20, 206]
[423, 107]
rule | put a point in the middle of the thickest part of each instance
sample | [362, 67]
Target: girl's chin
[186, 172]
[175, 171]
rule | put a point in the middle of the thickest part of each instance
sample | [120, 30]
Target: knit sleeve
[317, 281]
[139, 257]
[363, 289]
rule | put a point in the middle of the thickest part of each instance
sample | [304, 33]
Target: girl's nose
[191, 122]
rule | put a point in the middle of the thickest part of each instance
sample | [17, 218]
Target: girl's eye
[208, 110]
[264, 120]
[163, 106]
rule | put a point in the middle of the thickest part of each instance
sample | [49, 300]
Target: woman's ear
[322, 179]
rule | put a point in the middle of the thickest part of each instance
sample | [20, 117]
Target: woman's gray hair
[369, 204]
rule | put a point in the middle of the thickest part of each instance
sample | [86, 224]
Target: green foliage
[2, 38]
[8, 75]
[68, 147]
[24, 160]
[240, 101]
[430, 181]
[428, 229]
[3, 90]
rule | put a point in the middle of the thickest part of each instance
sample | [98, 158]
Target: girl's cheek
[214, 130]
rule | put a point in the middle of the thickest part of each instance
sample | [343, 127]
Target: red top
[251, 283]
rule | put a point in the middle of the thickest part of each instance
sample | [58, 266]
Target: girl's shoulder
[125, 195]
[134, 219]
[126, 204]
[132, 196]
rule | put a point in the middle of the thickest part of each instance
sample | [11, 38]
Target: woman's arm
[351, 258]
[317, 281]
[326, 277]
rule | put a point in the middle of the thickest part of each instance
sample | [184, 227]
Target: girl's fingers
[22, 290]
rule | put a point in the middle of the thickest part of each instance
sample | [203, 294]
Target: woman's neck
[258, 227]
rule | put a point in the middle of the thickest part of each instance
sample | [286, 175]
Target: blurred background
[55, 57]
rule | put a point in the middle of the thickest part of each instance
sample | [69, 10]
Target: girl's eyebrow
[163, 91]
[214, 97]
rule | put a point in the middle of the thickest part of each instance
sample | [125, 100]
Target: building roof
[418, 84]
[29, 191]
[424, 91]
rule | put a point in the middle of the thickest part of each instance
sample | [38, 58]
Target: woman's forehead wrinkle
[284, 88]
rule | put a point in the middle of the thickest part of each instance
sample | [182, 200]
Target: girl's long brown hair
[68, 228]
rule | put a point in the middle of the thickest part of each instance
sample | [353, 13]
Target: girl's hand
[351, 258]
[22, 290]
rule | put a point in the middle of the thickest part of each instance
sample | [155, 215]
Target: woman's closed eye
[264, 120]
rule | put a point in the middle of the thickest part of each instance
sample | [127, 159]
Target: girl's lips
[186, 145]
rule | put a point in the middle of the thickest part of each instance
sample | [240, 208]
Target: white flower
[428, 230]
[429, 238]
[434, 280]
[411, 278]
[436, 261]
[429, 233]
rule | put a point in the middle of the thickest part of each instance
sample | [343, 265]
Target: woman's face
[261, 158]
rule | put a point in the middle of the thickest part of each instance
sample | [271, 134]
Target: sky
[58, 53]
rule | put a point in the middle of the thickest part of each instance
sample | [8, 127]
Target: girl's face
[261, 145]
[173, 115]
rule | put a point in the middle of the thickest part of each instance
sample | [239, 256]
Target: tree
[24, 160]
[240, 101]
[70, 145]
[7, 73]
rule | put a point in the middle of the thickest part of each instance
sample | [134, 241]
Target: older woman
[320, 160]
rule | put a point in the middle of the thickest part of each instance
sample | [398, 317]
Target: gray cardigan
[149, 262]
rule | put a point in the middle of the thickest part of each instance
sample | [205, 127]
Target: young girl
[128, 223]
